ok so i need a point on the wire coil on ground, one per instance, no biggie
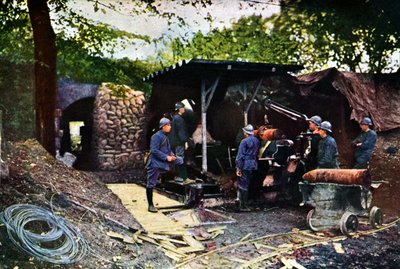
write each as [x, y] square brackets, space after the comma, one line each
[41, 234]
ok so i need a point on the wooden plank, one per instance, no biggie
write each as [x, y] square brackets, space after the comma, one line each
[133, 197]
[245, 237]
[124, 238]
[193, 242]
[173, 255]
[217, 228]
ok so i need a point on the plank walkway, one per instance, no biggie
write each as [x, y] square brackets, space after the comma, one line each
[134, 199]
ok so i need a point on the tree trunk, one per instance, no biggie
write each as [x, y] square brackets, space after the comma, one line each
[45, 73]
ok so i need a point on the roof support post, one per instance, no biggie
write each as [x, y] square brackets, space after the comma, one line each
[206, 96]
[246, 111]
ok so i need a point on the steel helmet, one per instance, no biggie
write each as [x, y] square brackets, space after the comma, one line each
[366, 121]
[248, 129]
[316, 120]
[179, 105]
[326, 125]
[164, 121]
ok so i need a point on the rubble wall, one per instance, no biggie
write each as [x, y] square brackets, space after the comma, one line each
[118, 132]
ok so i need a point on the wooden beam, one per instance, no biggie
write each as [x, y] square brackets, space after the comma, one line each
[246, 111]
[206, 97]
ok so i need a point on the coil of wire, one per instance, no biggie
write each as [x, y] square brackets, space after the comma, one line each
[41, 234]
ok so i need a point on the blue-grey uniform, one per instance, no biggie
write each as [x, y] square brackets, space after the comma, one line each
[364, 152]
[159, 150]
[178, 137]
[246, 160]
[328, 153]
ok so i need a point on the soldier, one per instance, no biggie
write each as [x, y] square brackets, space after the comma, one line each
[246, 164]
[364, 144]
[179, 138]
[327, 149]
[161, 156]
[312, 157]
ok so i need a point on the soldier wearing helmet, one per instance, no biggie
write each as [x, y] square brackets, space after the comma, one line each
[246, 164]
[179, 138]
[161, 156]
[311, 159]
[364, 144]
[327, 148]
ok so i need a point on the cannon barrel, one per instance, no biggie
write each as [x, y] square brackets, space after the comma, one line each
[340, 176]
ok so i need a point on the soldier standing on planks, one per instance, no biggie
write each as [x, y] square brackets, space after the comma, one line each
[246, 164]
[327, 148]
[161, 156]
[364, 144]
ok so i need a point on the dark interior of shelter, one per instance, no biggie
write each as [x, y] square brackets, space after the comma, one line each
[79, 111]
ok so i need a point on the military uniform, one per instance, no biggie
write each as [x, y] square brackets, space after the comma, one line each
[364, 152]
[178, 137]
[246, 160]
[327, 153]
[312, 158]
[159, 150]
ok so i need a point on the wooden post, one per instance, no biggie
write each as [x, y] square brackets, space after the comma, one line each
[203, 127]
[206, 96]
[244, 85]
[246, 112]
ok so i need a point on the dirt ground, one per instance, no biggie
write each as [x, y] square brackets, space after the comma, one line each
[83, 199]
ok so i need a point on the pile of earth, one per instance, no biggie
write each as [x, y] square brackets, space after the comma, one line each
[82, 199]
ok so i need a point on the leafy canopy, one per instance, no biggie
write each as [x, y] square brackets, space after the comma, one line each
[360, 35]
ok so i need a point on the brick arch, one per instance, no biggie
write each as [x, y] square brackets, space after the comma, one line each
[69, 91]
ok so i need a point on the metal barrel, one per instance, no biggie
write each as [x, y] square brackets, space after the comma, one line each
[340, 176]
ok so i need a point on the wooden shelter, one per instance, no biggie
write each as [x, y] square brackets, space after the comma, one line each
[206, 82]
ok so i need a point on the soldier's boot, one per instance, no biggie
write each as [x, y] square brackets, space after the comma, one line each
[149, 194]
[237, 200]
[244, 196]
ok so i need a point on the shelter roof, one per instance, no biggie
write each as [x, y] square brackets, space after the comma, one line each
[374, 95]
[188, 71]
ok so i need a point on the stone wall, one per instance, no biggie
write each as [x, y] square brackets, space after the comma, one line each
[118, 132]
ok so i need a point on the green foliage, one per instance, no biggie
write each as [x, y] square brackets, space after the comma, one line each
[16, 100]
[80, 54]
[356, 35]
[249, 39]
[75, 62]
[118, 90]
[16, 42]
[16, 71]
[360, 35]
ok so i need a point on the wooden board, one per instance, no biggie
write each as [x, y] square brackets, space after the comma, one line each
[133, 197]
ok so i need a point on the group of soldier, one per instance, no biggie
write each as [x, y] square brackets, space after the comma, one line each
[323, 153]
[167, 147]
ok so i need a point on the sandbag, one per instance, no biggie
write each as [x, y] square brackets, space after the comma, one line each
[339, 176]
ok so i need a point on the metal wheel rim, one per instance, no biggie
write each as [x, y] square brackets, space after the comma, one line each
[348, 223]
[376, 217]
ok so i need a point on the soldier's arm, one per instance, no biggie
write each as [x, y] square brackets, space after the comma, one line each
[155, 145]
[369, 141]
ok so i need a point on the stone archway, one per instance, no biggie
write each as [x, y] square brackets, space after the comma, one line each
[79, 111]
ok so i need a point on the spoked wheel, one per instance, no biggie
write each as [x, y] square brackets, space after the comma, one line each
[348, 223]
[375, 217]
[309, 221]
